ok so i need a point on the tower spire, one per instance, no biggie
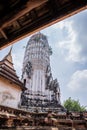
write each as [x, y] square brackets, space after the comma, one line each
[9, 53]
[8, 57]
[10, 50]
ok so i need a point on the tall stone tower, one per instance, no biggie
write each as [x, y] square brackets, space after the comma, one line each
[42, 90]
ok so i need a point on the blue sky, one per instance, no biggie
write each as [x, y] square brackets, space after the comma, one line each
[68, 40]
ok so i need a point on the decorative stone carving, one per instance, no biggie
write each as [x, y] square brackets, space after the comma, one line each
[28, 69]
[24, 99]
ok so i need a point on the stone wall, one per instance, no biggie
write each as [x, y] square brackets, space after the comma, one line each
[9, 93]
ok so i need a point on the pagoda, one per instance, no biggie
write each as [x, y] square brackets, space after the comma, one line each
[10, 85]
[43, 92]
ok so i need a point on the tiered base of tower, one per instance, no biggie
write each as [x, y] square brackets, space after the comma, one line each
[39, 105]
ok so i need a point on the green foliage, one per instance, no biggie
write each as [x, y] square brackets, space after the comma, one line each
[73, 105]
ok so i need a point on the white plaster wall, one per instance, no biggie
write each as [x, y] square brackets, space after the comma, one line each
[38, 80]
[9, 93]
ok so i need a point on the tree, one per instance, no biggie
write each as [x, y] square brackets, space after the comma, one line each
[73, 105]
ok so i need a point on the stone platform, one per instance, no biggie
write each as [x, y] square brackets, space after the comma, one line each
[16, 119]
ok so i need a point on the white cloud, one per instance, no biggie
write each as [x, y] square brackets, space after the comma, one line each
[70, 46]
[58, 25]
[78, 81]
[69, 36]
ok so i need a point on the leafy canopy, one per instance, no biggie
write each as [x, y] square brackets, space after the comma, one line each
[73, 105]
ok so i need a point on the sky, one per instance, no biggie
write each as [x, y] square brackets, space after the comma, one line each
[68, 40]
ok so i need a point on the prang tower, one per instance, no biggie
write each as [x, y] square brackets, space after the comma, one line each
[42, 90]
